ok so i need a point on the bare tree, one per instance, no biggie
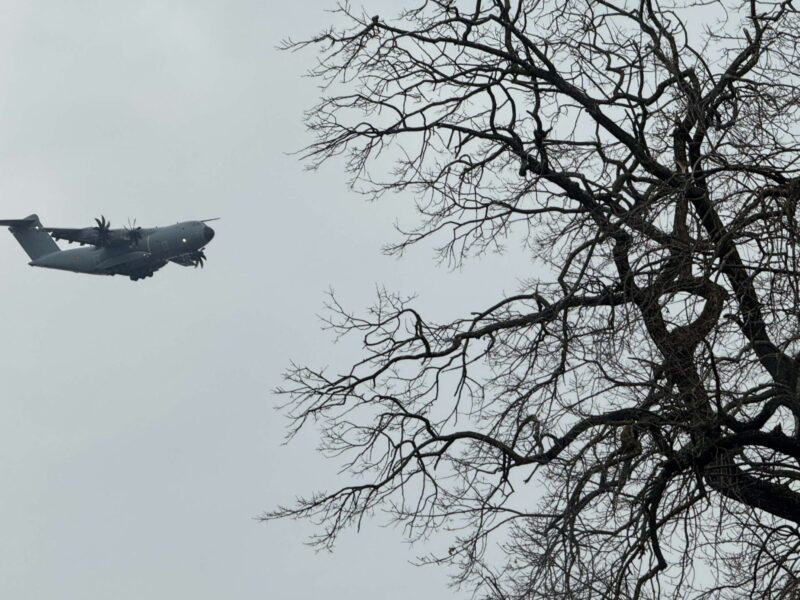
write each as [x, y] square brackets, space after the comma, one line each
[626, 426]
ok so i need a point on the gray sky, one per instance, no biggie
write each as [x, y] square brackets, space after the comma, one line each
[137, 429]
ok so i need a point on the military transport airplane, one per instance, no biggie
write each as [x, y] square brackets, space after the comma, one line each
[131, 251]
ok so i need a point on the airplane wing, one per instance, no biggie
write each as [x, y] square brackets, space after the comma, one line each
[182, 260]
[190, 259]
[122, 260]
[101, 235]
[85, 235]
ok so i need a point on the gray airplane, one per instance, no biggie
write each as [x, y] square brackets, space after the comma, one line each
[131, 251]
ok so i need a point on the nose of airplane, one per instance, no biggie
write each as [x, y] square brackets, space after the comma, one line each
[208, 233]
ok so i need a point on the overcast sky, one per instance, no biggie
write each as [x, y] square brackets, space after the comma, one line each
[138, 436]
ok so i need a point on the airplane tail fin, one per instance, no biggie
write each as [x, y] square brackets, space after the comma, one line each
[30, 235]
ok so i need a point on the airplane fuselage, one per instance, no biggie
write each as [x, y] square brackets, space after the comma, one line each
[138, 259]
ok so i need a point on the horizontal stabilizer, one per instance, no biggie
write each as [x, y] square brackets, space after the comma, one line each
[32, 220]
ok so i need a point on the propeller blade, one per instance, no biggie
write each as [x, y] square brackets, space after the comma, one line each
[133, 233]
[103, 230]
[198, 257]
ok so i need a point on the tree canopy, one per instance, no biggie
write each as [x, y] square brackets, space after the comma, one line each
[626, 425]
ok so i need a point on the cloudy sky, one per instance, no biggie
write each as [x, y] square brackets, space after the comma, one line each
[138, 433]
